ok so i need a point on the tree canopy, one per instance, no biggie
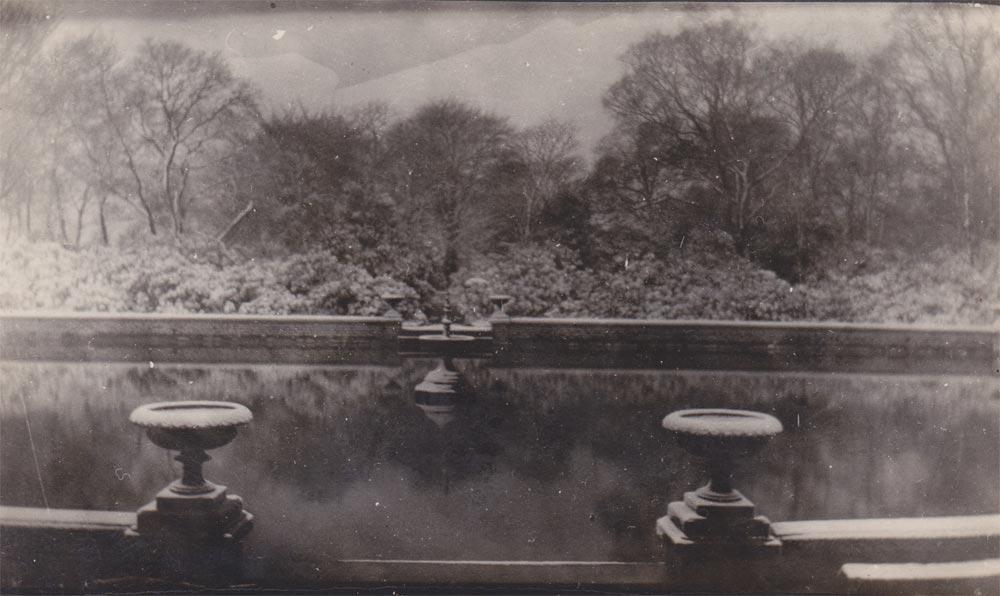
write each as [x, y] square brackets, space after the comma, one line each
[790, 154]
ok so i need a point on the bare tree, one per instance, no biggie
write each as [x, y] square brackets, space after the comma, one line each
[185, 111]
[812, 102]
[23, 30]
[948, 71]
[869, 160]
[549, 155]
[371, 123]
[638, 185]
[708, 87]
[85, 165]
[449, 159]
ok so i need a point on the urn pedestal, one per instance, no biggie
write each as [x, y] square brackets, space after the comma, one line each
[717, 512]
[193, 529]
[715, 525]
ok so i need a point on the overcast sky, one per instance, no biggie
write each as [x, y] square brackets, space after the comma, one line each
[527, 61]
[363, 40]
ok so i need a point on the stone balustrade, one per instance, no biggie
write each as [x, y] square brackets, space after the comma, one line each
[190, 536]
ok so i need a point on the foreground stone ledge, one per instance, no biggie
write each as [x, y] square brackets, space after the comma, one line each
[966, 577]
[66, 519]
[552, 575]
[813, 552]
[888, 529]
[70, 549]
[49, 550]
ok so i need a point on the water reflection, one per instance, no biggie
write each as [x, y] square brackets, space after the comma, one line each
[440, 392]
[439, 409]
[526, 464]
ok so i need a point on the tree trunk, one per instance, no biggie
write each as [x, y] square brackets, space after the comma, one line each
[104, 225]
[84, 200]
[56, 190]
[742, 206]
[451, 239]
[151, 220]
[63, 236]
[528, 208]
[967, 214]
[800, 241]
[170, 201]
[236, 221]
[869, 224]
[851, 217]
[450, 264]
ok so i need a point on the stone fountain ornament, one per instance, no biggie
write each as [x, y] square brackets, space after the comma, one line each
[499, 302]
[191, 507]
[717, 512]
[393, 300]
[442, 387]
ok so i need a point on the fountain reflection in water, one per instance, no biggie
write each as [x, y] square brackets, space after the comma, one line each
[442, 390]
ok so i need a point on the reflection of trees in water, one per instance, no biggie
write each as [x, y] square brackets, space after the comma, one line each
[529, 456]
[87, 455]
[853, 446]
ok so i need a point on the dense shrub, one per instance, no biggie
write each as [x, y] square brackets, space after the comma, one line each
[695, 288]
[942, 288]
[543, 281]
[172, 278]
[550, 282]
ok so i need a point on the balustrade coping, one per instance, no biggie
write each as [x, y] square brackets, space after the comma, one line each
[560, 343]
[892, 530]
[488, 323]
[912, 572]
[900, 528]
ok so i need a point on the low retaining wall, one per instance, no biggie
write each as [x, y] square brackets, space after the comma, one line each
[199, 338]
[569, 343]
[710, 345]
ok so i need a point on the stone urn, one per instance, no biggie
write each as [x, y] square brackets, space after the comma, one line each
[192, 507]
[717, 511]
[393, 300]
[191, 427]
[499, 302]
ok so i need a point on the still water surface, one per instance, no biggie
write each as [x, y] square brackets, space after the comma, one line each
[535, 464]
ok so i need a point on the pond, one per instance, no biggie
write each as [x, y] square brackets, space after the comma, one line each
[535, 464]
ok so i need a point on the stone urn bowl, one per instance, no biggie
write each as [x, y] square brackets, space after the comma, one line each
[721, 437]
[393, 300]
[499, 302]
[191, 427]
